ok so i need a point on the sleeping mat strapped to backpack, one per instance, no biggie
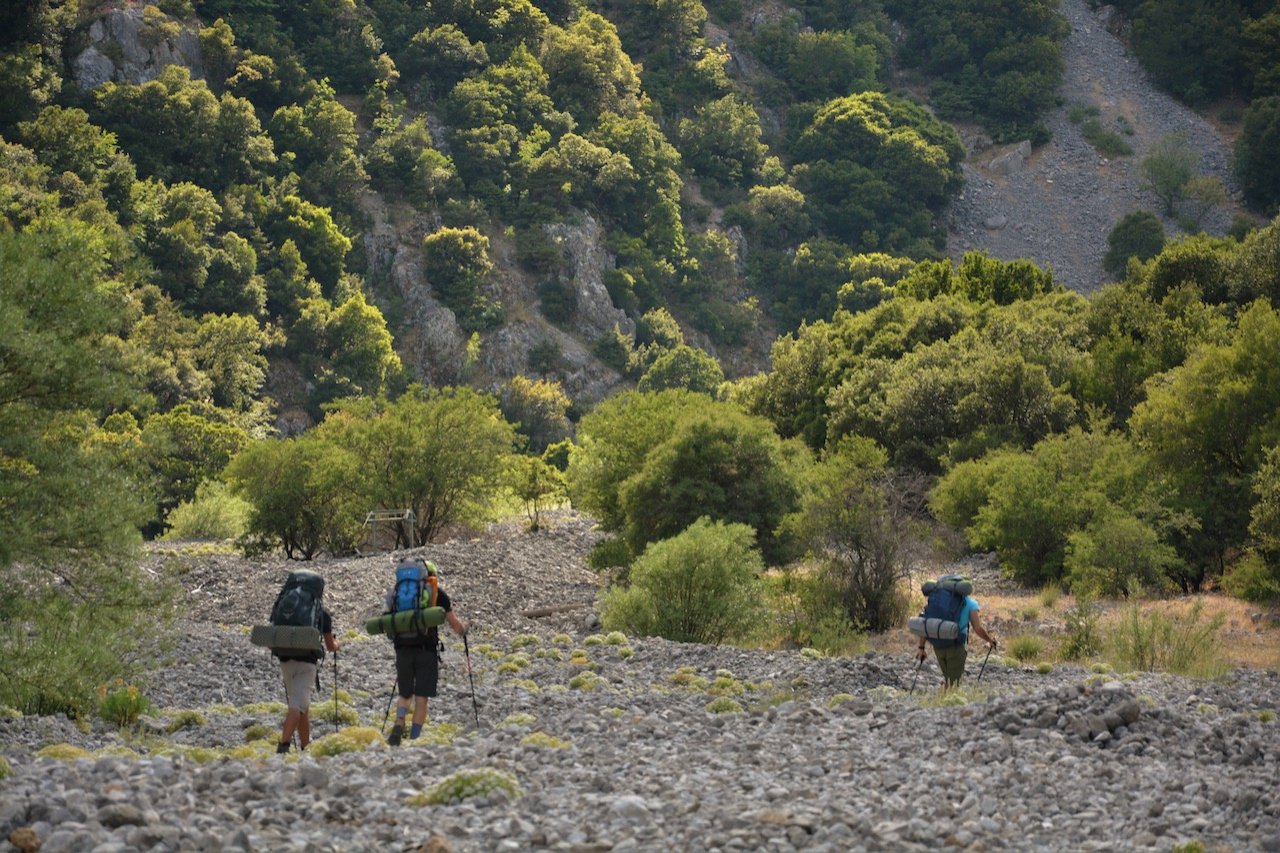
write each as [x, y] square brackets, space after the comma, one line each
[413, 602]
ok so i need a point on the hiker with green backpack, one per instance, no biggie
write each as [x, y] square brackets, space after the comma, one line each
[950, 611]
[417, 643]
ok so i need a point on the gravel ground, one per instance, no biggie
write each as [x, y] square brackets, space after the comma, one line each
[619, 744]
[1059, 207]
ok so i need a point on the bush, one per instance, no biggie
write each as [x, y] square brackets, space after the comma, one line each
[706, 580]
[185, 720]
[1108, 142]
[353, 739]
[215, 514]
[812, 614]
[724, 705]
[1252, 579]
[5, 769]
[1025, 648]
[1138, 235]
[466, 784]
[259, 731]
[62, 752]
[1049, 595]
[122, 705]
[542, 740]
[1083, 639]
[1164, 642]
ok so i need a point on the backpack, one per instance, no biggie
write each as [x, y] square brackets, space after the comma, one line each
[939, 622]
[415, 590]
[298, 604]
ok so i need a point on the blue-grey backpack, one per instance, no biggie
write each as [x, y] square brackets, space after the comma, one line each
[939, 623]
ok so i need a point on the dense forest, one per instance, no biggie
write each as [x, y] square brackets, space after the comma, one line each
[270, 264]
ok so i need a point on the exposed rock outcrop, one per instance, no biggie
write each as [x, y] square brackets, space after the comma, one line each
[128, 45]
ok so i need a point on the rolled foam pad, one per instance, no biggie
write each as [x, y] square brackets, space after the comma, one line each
[405, 621]
[301, 638]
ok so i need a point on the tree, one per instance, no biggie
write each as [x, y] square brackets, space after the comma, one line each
[538, 485]
[302, 496]
[1138, 235]
[683, 367]
[699, 586]
[538, 409]
[73, 606]
[184, 449]
[1255, 166]
[588, 72]
[857, 521]
[456, 263]
[441, 453]
[722, 140]
[1207, 424]
[720, 463]
[1168, 168]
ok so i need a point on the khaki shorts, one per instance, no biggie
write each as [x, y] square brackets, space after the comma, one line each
[299, 678]
[951, 661]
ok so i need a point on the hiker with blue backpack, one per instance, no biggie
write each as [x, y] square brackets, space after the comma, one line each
[950, 611]
[417, 593]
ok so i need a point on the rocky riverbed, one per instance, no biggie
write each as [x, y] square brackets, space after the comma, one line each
[605, 742]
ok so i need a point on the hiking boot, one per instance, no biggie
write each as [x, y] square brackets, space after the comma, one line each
[282, 748]
[397, 732]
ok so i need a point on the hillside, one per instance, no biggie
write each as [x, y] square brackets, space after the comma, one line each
[639, 743]
[1055, 205]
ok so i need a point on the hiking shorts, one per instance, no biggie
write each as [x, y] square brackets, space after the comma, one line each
[417, 670]
[951, 661]
[299, 677]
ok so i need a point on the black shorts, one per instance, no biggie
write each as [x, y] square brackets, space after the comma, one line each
[417, 670]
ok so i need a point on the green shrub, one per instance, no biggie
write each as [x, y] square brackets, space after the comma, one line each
[1083, 638]
[686, 676]
[1267, 715]
[1139, 234]
[1029, 613]
[185, 720]
[1049, 595]
[593, 640]
[62, 752]
[214, 513]
[521, 640]
[706, 579]
[518, 719]
[542, 740]
[1108, 142]
[1161, 642]
[724, 705]
[1251, 579]
[1025, 647]
[5, 769]
[1044, 668]
[325, 712]
[562, 639]
[615, 638]
[466, 784]
[258, 731]
[123, 705]
[353, 739]
[812, 614]
[586, 680]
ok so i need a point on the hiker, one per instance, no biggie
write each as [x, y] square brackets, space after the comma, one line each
[300, 669]
[949, 600]
[418, 652]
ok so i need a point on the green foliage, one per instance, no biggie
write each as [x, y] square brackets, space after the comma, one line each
[1257, 170]
[1049, 595]
[122, 704]
[1161, 641]
[723, 705]
[857, 521]
[350, 739]
[185, 720]
[456, 264]
[1117, 554]
[1025, 647]
[1001, 64]
[538, 409]
[705, 579]
[1084, 637]
[1107, 142]
[542, 740]
[812, 613]
[1168, 168]
[715, 462]
[1208, 425]
[466, 784]
[1138, 235]
[682, 367]
[1190, 47]
[1253, 579]
[6, 769]
[215, 513]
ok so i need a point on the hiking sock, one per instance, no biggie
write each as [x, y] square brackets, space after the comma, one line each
[282, 747]
[415, 730]
[397, 732]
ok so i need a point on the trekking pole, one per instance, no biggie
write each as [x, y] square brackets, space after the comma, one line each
[990, 646]
[466, 647]
[390, 698]
[335, 691]
[916, 676]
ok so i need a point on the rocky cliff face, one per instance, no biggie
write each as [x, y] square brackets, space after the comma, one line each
[133, 44]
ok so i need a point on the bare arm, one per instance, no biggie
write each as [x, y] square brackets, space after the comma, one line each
[975, 622]
[459, 627]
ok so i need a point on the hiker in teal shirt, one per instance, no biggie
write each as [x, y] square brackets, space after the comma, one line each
[951, 659]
